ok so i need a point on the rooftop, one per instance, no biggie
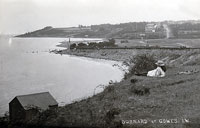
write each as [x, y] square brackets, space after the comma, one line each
[42, 100]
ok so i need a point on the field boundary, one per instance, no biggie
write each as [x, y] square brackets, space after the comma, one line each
[169, 48]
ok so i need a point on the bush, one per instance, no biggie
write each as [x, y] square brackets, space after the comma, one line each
[112, 41]
[142, 64]
[140, 90]
[72, 46]
[110, 120]
[110, 88]
[42, 117]
[82, 45]
[133, 81]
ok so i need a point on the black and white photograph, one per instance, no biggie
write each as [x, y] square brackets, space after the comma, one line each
[99, 64]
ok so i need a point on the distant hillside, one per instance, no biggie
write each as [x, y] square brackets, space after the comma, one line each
[132, 30]
[185, 30]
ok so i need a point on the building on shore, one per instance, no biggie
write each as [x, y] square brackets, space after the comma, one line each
[26, 107]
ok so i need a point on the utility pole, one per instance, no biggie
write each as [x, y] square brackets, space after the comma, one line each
[69, 43]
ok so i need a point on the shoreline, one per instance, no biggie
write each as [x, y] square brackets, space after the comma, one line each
[116, 93]
[167, 98]
[85, 53]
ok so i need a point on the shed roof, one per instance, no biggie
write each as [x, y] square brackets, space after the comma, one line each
[41, 100]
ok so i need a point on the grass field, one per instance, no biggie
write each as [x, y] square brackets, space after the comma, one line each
[172, 101]
[191, 43]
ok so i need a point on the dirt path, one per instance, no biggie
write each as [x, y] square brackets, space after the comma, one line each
[168, 31]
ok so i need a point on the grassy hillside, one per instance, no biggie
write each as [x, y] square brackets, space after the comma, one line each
[139, 98]
[130, 30]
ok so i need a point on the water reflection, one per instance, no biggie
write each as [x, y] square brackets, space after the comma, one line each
[10, 41]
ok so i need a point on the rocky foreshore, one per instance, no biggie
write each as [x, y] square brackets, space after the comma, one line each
[108, 54]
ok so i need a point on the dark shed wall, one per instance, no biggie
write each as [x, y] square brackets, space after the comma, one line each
[17, 113]
[31, 113]
[53, 106]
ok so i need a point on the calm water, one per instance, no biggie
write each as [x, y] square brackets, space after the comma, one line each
[26, 66]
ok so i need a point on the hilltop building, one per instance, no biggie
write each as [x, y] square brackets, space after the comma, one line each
[150, 27]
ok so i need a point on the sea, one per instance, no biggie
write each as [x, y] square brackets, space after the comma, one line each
[27, 66]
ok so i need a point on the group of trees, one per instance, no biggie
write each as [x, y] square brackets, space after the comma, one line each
[104, 44]
[185, 30]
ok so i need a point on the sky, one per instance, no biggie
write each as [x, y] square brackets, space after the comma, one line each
[20, 16]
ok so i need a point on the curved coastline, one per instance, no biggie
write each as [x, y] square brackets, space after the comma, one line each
[119, 98]
[119, 105]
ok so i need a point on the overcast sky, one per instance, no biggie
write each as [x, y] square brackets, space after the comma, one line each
[19, 16]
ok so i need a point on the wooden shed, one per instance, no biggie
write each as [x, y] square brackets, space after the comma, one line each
[25, 107]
